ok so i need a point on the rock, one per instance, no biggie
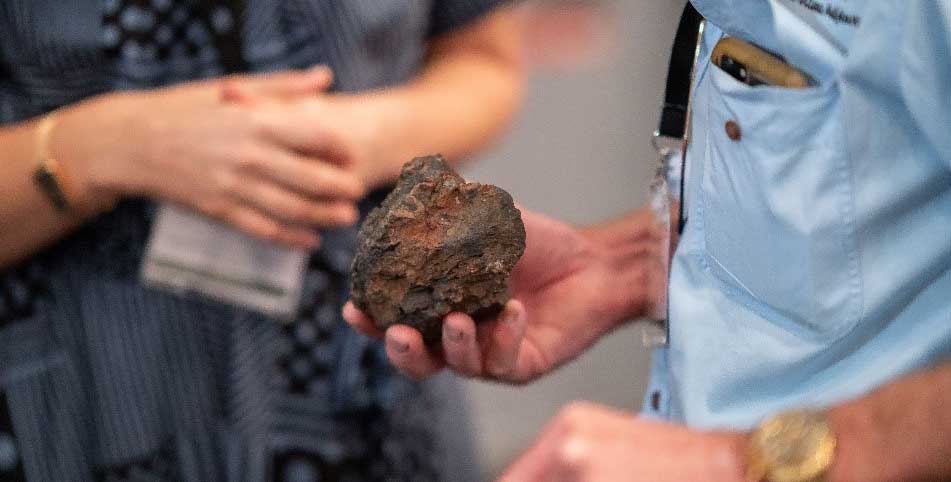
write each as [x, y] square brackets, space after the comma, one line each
[437, 244]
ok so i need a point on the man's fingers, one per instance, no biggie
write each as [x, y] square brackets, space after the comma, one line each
[408, 353]
[540, 462]
[358, 320]
[501, 340]
[460, 345]
[277, 86]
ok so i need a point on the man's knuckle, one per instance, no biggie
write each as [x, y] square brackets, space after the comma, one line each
[574, 452]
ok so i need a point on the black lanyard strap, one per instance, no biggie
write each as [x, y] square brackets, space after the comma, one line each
[673, 117]
[670, 142]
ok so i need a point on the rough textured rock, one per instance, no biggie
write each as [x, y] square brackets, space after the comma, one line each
[436, 245]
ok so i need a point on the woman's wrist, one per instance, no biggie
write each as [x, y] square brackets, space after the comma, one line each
[379, 140]
[92, 142]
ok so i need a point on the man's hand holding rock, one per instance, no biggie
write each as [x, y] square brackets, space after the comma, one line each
[569, 288]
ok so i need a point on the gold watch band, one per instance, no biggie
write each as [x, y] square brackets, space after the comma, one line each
[797, 446]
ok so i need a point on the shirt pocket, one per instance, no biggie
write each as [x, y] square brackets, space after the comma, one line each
[777, 201]
[40, 388]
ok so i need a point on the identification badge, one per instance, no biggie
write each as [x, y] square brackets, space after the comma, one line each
[190, 253]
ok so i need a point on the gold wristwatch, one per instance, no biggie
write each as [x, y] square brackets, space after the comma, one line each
[795, 446]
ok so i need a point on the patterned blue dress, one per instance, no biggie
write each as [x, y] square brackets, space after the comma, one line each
[102, 379]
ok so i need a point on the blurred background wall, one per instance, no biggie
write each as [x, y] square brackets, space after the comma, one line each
[580, 150]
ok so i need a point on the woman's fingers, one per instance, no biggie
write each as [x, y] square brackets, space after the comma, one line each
[309, 176]
[303, 127]
[261, 226]
[272, 194]
[409, 354]
[289, 207]
[286, 85]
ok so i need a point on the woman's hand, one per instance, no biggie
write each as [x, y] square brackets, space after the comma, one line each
[356, 121]
[571, 287]
[250, 166]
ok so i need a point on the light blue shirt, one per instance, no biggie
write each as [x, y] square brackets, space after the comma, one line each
[816, 261]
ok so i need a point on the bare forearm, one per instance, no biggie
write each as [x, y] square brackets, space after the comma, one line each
[901, 432]
[469, 89]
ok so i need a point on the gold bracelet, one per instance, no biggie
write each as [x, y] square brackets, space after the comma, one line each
[50, 176]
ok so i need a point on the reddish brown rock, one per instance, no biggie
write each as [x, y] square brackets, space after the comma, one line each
[436, 245]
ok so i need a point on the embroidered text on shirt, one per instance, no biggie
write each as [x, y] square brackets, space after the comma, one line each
[835, 13]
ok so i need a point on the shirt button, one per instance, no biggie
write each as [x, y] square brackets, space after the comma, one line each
[733, 130]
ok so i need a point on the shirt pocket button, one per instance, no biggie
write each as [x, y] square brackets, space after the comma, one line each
[733, 130]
